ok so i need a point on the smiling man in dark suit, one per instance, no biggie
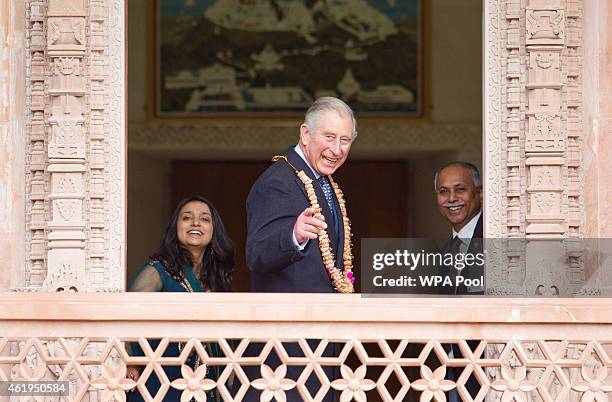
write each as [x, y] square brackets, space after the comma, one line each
[283, 247]
[459, 198]
[298, 236]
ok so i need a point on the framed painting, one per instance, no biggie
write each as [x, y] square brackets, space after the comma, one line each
[269, 57]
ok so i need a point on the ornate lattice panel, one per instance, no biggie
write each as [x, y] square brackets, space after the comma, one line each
[295, 348]
[359, 369]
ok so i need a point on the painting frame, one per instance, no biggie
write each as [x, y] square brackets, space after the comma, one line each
[160, 113]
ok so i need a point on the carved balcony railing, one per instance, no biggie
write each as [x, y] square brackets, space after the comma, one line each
[389, 349]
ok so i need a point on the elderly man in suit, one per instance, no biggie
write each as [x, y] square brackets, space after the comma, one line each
[287, 211]
[459, 197]
[298, 236]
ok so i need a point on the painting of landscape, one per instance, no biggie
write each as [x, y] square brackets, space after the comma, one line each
[254, 57]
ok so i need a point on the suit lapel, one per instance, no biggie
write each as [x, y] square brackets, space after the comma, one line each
[476, 242]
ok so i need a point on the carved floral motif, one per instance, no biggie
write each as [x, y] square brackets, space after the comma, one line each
[113, 382]
[433, 384]
[595, 385]
[273, 383]
[543, 202]
[514, 384]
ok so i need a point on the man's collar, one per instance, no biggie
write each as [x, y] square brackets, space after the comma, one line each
[467, 232]
[300, 152]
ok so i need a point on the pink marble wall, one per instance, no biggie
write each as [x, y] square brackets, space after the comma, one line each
[12, 143]
[598, 118]
[605, 129]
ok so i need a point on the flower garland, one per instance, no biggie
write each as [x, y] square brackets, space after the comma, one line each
[342, 280]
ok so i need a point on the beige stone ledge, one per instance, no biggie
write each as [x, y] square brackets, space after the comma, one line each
[295, 308]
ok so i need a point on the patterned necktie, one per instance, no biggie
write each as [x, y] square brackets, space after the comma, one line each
[455, 245]
[329, 196]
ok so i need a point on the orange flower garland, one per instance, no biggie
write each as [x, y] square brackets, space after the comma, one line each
[341, 280]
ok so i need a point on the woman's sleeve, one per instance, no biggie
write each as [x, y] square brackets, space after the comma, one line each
[147, 280]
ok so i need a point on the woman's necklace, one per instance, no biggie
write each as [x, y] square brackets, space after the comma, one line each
[341, 280]
[185, 282]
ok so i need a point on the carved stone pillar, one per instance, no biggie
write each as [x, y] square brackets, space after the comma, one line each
[68, 110]
[553, 193]
[77, 130]
[38, 179]
[533, 143]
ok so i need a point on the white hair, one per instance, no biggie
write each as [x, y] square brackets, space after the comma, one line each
[327, 103]
[466, 165]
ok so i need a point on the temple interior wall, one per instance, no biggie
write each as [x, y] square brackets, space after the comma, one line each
[453, 77]
[598, 118]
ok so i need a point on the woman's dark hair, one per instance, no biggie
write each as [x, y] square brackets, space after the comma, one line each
[218, 259]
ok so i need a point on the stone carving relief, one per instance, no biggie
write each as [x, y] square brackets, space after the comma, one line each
[545, 177]
[36, 177]
[67, 74]
[67, 183]
[66, 47]
[66, 66]
[67, 140]
[66, 108]
[545, 26]
[67, 7]
[534, 126]
[544, 98]
[545, 203]
[544, 133]
[545, 66]
[544, 60]
[57, 144]
[67, 210]
[77, 163]
[64, 32]
[64, 278]
[545, 144]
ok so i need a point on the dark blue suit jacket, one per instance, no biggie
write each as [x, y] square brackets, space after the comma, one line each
[477, 270]
[275, 201]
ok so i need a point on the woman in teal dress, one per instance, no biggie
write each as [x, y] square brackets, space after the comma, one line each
[195, 255]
